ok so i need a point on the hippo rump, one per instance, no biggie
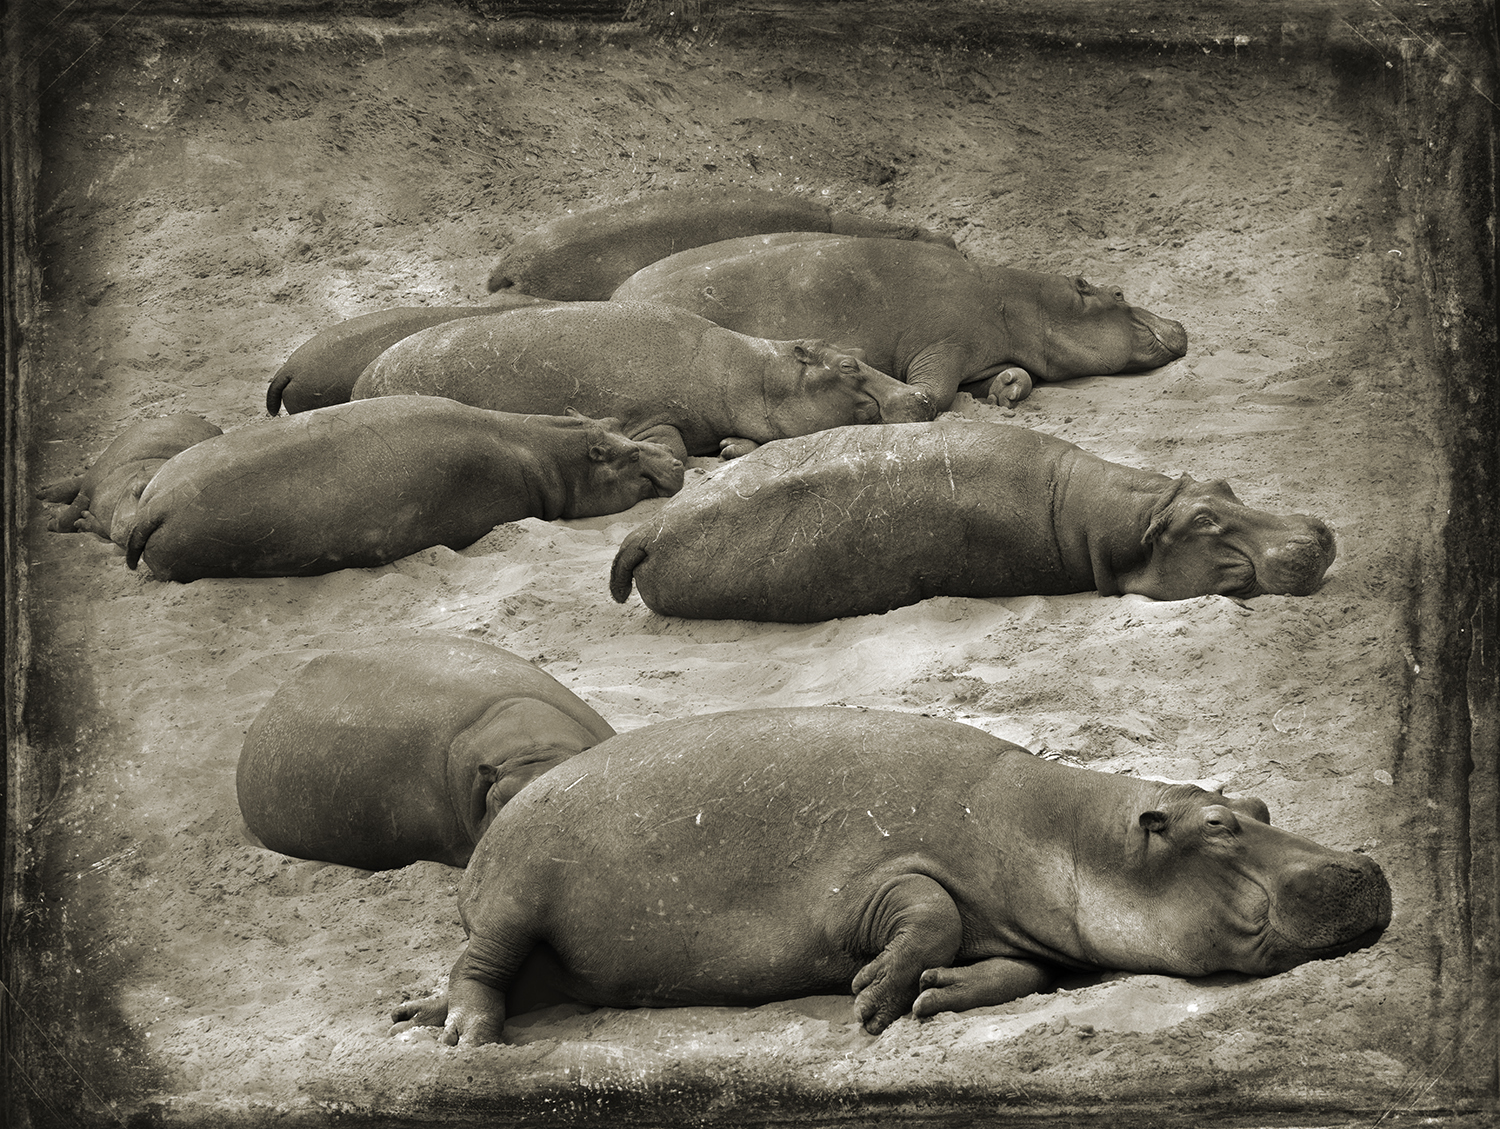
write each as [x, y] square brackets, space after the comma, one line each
[323, 370]
[921, 865]
[103, 499]
[383, 756]
[669, 376]
[924, 314]
[863, 520]
[583, 256]
[359, 485]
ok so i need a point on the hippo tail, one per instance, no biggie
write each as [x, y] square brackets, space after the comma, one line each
[139, 535]
[627, 560]
[278, 385]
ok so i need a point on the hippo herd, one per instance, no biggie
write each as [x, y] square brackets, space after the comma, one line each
[920, 865]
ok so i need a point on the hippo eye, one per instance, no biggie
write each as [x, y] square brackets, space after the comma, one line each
[1220, 821]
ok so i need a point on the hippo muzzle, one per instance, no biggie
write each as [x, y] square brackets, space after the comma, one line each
[1157, 340]
[1326, 907]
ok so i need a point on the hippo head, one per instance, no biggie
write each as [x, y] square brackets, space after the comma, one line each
[622, 472]
[1088, 330]
[832, 386]
[1208, 885]
[1203, 541]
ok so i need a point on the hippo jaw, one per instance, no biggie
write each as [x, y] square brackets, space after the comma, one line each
[1204, 541]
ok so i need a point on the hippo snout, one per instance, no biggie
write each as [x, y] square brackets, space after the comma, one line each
[1163, 336]
[912, 406]
[1330, 906]
[1296, 567]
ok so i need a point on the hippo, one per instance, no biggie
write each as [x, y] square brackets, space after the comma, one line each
[362, 484]
[324, 368]
[671, 377]
[388, 755]
[103, 499]
[921, 865]
[924, 314]
[863, 520]
[583, 256]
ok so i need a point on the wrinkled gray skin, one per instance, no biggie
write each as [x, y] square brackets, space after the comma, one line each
[584, 256]
[323, 370]
[387, 755]
[924, 314]
[922, 865]
[362, 484]
[863, 520]
[669, 376]
[104, 498]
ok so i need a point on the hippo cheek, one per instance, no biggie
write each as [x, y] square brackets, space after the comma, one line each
[1326, 908]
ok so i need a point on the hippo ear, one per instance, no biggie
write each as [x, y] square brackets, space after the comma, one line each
[804, 352]
[1154, 821]
[485, 776]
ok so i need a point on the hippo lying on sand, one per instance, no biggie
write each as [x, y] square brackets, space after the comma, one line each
[867, 519]
[103, 499]
[363, 484]
[323, 370]
[584, 256]
[670, 377]
[923, 865]
[922, 313]
[379, 757]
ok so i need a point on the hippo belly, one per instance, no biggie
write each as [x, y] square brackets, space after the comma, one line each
[864, 520]
[383, 756]
[920, 864]
[362, 484]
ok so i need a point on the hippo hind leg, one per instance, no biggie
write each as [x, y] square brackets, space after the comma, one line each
[917, 926]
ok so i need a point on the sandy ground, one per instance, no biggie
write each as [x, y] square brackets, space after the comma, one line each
[213, 195]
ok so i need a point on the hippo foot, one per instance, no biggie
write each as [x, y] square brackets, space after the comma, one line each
[431, 1011]
[878, 997]
[736, 448]
[989, 982]
[1009, 387]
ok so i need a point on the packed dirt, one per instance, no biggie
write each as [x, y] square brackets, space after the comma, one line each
[213, 194]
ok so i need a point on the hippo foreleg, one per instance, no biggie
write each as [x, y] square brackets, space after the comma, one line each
[920, 927]
[989, 982]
